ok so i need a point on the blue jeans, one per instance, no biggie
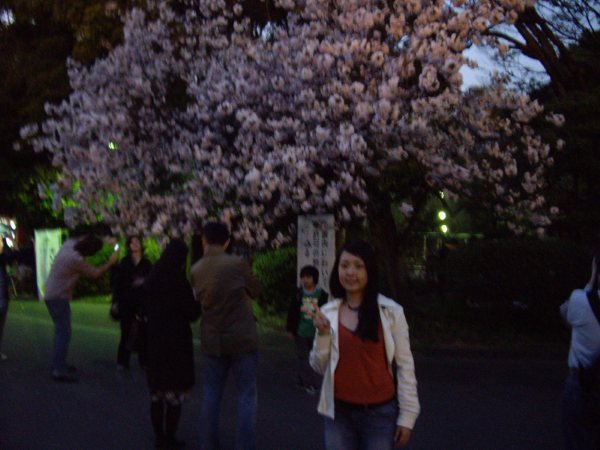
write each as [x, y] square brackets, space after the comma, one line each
[60, 311]
[362, 428]
[577, 434]
[215, 371]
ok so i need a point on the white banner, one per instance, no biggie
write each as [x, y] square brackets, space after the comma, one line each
[316, 245]
[47, 245]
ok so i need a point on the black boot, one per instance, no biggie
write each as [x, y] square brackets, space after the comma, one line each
[157, 414]
[172, 421]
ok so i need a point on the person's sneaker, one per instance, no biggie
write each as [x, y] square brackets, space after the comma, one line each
[312, 390]
[3, 357]
[65, 378]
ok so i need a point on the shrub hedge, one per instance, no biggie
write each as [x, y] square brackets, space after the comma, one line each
[530, 275]
[276, 271]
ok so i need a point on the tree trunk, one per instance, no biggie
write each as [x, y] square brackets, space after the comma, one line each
[390, 252]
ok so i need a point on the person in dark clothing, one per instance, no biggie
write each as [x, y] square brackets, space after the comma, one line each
[169, 306]
[300, 325]
[128, 278]
[6, 257]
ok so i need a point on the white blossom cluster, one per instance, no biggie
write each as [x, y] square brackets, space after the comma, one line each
[191, 118]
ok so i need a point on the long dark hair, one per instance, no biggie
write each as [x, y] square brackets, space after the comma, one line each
[169, 266]
[368, 314]
[128, 243]
[593, 292]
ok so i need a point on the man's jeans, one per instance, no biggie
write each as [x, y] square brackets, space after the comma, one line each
[60, 311]
[369, 428]
[215, 370]
[577, 435]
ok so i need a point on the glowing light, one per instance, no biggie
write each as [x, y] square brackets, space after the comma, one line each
[444, 229]
[112, 146]
[442, 194]
[9, 242]
[13, 225]
[442, 215]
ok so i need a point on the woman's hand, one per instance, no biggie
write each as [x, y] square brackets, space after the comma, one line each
[320, 322]
[402, 436]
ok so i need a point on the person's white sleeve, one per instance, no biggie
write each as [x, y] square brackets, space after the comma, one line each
[408, 400]
[320, 353]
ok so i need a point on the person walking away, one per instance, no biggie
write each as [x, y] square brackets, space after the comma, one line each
[68, 266]
[169, 306]
[128, 278]
[300, 324]
[581, 395]
[6, 257]
[224, 285]
[369, 390]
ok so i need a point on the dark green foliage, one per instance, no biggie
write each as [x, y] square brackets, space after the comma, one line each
[573, 181]
[522, 280]
[36, 38]
[276, 271]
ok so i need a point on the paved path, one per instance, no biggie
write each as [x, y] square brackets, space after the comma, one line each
[481, 403]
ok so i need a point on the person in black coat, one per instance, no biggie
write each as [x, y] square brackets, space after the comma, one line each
[169, 307]
[128, 279]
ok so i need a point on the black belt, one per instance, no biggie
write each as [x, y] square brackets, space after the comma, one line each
[360, 406]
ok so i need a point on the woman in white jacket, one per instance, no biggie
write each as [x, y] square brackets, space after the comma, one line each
[362, 349]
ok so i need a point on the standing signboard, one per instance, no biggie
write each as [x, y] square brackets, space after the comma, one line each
[316, 245]
[47, 245]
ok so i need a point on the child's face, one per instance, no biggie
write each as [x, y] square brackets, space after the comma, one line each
[307, 282]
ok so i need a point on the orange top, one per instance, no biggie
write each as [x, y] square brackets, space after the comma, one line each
[362, 374]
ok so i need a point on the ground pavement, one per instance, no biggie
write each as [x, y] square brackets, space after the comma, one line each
[477, 402]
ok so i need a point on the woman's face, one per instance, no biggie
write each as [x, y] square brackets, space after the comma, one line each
[135, 245]
[353, 273]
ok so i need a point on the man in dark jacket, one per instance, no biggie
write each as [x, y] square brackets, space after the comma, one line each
[300, 325]
[224, 285]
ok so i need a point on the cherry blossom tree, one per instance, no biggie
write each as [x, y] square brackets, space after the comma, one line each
[351, 107]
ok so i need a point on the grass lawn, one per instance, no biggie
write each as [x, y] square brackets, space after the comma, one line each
[94, 311]
[434, 325]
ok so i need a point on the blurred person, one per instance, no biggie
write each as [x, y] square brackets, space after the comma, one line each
[169, 306]
[224, 285]
[128, 277]
[300, 324]
[362, 349]
[6, 257]
[581, 395]
[68, 266]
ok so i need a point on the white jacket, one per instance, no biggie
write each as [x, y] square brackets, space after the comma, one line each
[325, 355]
